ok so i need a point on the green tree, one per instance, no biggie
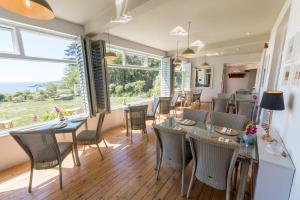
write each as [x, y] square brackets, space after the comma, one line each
[71, 77]
[119, 89]
[51, 89]
[2, 97]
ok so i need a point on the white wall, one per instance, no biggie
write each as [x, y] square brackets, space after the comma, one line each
[287, 122]
[217, 62]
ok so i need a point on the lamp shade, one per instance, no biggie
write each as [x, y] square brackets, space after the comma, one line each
[188, 53]
[272, 100]
[35, 9]
[109, 56]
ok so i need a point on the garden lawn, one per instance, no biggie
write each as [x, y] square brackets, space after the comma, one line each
[21, 113]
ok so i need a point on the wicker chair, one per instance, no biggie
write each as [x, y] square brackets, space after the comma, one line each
[137, 116]
[225, 95]
[43, 150]
[243, 91]
[197, 95]
[237, 122]
[188, 98]
[174, 102]
[213, 162]
[198, 116]
[164, 106]
[247, 97]
[245, 108]
[151, 115]
[89, 137]
[173, 150]
[219, 105]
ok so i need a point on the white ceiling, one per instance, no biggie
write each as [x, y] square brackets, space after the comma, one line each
[213, 21]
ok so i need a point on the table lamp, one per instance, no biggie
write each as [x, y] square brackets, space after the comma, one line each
[271, 100]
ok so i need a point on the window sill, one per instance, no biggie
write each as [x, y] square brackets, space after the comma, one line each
[132, 104]
[5, 132]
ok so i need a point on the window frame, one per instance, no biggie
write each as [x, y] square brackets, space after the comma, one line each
[19, 54]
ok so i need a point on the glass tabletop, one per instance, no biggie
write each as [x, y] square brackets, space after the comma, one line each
[246, 151]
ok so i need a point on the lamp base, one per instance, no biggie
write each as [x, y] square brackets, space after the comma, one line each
[266, 137]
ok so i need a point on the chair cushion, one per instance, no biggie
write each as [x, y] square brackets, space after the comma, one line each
[64, 147]
[86, 135]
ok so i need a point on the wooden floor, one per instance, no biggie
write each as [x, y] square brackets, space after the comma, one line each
[127, 172]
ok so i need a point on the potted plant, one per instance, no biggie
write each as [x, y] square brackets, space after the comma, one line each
[250, 133]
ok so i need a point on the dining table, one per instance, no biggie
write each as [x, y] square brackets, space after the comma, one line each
[247, 153]
[71, 126]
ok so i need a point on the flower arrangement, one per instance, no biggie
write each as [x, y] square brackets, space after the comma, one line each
[251, 129]
[60, 113]
[34, 118]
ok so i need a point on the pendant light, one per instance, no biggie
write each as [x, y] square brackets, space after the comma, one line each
[177, 62]
[205, 64]
[109, 55]
[188, 53]
[35, 9]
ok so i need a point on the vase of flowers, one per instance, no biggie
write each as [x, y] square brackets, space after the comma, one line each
[59, 112]
[250, 133]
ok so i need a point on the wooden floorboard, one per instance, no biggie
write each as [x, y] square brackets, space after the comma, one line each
[127, 172]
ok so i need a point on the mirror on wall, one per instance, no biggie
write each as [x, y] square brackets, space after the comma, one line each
[204, 76]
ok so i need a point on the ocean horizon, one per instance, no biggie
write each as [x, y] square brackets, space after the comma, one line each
[11, 88]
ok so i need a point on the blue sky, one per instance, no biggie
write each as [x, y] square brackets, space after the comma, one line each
[38, 45]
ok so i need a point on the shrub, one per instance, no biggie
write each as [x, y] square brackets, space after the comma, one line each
[2, 97]
[138, 86]
[119, 89]
[112, 88]
[128, 87]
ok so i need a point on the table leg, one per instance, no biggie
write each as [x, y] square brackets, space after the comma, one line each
[157, 155]
[75, 148]
[86, 125]
[243, 179]
[126, 123]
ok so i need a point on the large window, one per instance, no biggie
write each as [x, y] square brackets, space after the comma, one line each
[35, 80]
[178, 79]
[133, 77]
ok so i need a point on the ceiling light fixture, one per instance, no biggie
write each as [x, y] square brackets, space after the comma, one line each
[205, 64]
[198, 43]
[178, 31]
[212, 54]
[177, 62]
[35, 9]
[109, 55]
[188, 53]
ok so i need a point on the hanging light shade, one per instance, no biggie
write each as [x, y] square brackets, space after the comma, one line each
[109, 55]
[177, 62]
[205, 64]
[188, 53]
[35, 9]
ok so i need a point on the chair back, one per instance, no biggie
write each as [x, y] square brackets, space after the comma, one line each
[188, 96]
[154, 105]
[41, 147]
[225, 95]
[247, 97]
[164, 105]
[198, 116]
[243, 91]
[214, 161]
[100, 124]
[138, 117]
[172, 146]
[220, 105]
[245, 108]
[174, 99]
[233, 121]
[197, 95]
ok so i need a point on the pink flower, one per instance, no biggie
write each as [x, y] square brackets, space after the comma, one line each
[34, 118]
[254, 97]
[57, 109]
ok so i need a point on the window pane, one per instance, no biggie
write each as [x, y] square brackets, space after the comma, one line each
[29, 90]
[6, 42]
[47, 46]
[132, 85]
[135, 60]
[118, 60]
[178, 80]
[154, 63]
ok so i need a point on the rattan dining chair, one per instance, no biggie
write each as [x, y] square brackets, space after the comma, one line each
[151, 115]
[174, 102]
[246, 108]
[247, 97]
[233, 121]
[213, 162]
[90, 137]
[173, 150]
[43, 150]
[219, 105]
[137, 117]
[198, 116]
[164, 106]
[225, 95]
